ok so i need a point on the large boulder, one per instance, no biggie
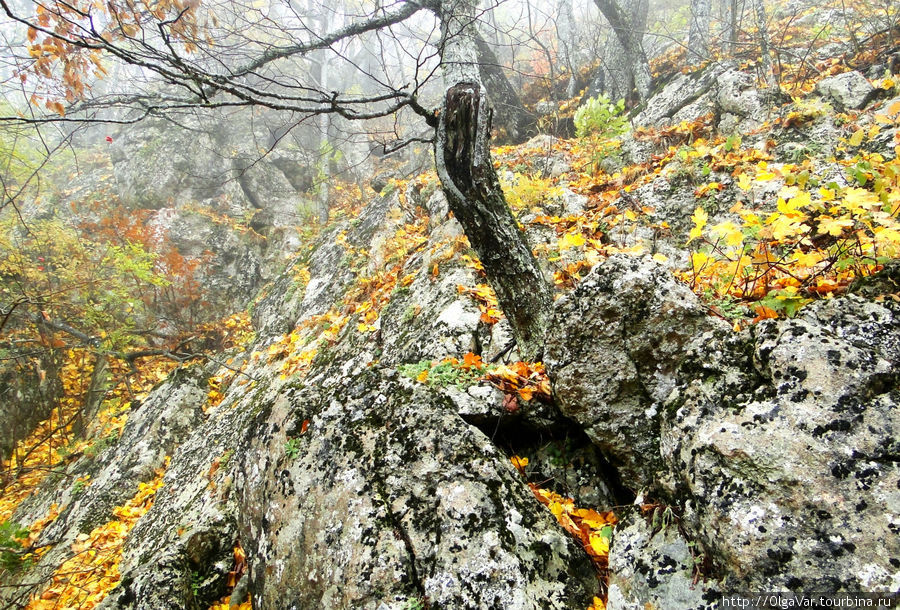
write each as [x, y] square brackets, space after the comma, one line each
[775, 448]
[374, 493]
[848, 91]
[685, 97]
[783, 443]
[613, 351]
[739, 103]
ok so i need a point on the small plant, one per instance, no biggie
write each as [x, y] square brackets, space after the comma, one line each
[598, 115]
[196, 583]
[226, 458]
[79, 486]
[292, 448]
[100, 445]
[444, 373]
[411, 312]
[526, 191]
[414, 604]
[12, 550]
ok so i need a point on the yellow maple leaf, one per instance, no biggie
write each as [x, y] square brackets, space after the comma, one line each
[730, 232]
[699, 217]
[570, 240]
[833, 226]
[599, 545]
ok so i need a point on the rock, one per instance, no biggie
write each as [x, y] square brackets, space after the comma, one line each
[116, 467]
[738, 102]
[573, 203]
[31, 387]
[775, 447]
[391, 498]
[613, 350]
[685, 97]
[777, 443]
[655, 567]
[848, 91]
[382, 179]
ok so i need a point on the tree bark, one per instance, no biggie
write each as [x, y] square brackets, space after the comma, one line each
[565, 28]
[473, 190]
[509, 112]
[629, 26]
[698, 34]
[732, 10]
[762, 34]
[463, 161]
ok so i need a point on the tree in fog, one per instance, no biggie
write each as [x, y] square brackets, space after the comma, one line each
[626, 63]
[226, 55]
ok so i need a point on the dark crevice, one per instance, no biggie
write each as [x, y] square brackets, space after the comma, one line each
[515, 435]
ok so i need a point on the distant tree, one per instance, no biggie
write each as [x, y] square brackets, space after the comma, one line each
[565, 29]
[698, 33]
[627, 65]
[208, 56]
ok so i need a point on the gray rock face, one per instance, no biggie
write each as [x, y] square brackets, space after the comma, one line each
[154, 429]
[738, 102]
[848, 91]
[779, 444]
[613, 352]
[685, 96]
[776, 447]
[389, 498]
[30, 388]
[656, 568]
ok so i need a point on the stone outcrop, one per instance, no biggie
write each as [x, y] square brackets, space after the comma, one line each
[775, 449]
[847, 91]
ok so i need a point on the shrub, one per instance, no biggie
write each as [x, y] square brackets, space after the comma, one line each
[598, 115]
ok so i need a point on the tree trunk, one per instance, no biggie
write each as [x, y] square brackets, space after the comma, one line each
[731, 14]
[97, 391]
[698, 36]
[565, 28]
[509, 112]
[463, 161]
[629, 24]
[762, 29]
[473, 190]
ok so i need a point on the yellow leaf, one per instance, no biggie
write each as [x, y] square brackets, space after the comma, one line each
[891, 235]
[660, 258]
[699, 260]
[857, 138]
[519, 462]
[600, 545]
[730, 232]
[744, 182]
[833, 226]
[699, 217]
[570, 240]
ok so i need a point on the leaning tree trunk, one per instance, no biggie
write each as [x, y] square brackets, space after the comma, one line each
[629, 26]
[510, 113]
[463, 160]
